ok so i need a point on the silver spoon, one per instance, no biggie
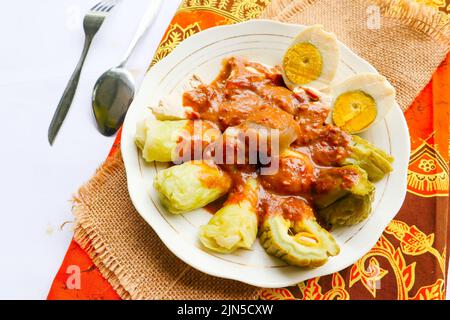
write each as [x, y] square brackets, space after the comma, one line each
[114, 90]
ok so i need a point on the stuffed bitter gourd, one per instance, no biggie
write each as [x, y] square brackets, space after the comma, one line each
[298, 240]
[343, 196]
[373, 160]
[349, 210]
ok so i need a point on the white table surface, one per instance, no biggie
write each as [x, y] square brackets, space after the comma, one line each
[41, 44]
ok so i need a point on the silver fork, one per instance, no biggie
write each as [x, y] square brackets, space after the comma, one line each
[92, 22]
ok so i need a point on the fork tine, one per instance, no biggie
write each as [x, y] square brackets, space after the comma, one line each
[104, 6]
[94, 8]
[110, 7]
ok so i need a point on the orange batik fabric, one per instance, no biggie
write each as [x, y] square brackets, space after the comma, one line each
[408, 262]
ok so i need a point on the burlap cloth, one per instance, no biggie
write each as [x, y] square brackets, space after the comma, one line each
[411, 43]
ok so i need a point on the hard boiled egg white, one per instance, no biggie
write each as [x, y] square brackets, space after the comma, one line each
[312, 59]
[361, 101]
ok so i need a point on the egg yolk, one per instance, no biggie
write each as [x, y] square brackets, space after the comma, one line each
[307, 239]
[353, 111]
[302, 63]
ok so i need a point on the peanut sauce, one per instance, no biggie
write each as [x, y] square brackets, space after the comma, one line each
[250, 93]
[209, 180]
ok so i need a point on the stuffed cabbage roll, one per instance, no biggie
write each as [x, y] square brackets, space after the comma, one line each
[373, 160]
[294, 235]
[178, 140]
[343, 195]
[191, 185]
[235, 225]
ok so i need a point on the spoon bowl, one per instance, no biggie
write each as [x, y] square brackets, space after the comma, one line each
[114, 90]
[112, 96]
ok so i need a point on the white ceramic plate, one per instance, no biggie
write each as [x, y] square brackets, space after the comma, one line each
[265, 42]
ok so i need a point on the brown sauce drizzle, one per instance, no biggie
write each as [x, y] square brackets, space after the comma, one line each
[249, 92]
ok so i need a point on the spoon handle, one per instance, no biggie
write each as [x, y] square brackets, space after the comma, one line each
[147, 20]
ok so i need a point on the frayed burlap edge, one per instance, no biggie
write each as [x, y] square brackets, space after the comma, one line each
[109, 260]
[419, 16]
[285, 9]
[86, 236]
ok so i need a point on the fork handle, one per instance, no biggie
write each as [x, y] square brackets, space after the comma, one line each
[67, 97]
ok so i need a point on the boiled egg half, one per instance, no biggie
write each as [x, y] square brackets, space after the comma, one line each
[312, 59]
[361, 101]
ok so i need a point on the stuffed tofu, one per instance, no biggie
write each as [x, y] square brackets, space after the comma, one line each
[295, 174]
